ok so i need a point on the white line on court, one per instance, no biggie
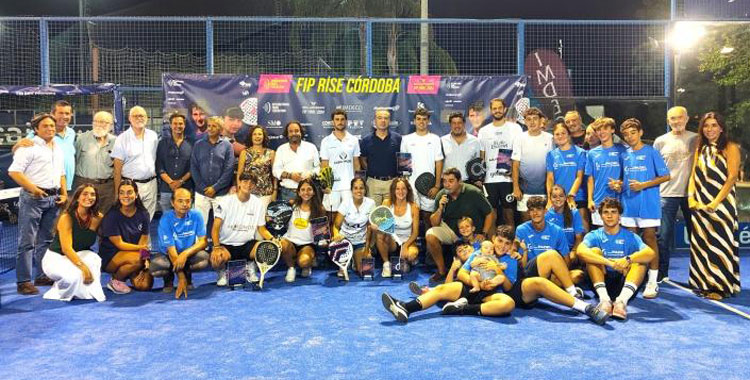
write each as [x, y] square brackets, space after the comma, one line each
[720, 304]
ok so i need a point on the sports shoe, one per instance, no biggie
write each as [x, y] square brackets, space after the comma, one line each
[651, 290]
[597, 315]
[605, 306]
[291, 275]
[395, 307]
[118, 287]
[418, 290]
[386, 269]
[43, 280]
[26, 288]
[251, 272]
[306, 272]
[620, 310]
[222, 279]
[578, 293]
[456, 306]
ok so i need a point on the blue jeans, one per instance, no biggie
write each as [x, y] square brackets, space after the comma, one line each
[669, 206]
[165, 201]
[36, 227]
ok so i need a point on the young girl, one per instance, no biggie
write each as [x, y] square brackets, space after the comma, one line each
[406, 214]
[351, 222]
[565, 166]
[124, 232]
[570, 220]
[69, 260]
[298, 242]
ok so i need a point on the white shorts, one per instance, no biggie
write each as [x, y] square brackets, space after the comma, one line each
[443, 233]
[631, 222]
[335, 198]
[521, 203]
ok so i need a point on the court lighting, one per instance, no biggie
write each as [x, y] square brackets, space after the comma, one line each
[686, 34]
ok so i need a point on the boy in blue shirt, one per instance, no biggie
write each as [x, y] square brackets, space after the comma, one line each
[545, 248]
[603, 167]
[615, 254]
[644, 170]
[517, 289]
[182, 243]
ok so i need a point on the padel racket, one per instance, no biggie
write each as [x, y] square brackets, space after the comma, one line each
[476, 170]
[341, 254]
[277, 217]
[326, 177]
[382, 217]
[424, 183]
[522, 105]
[266, 256]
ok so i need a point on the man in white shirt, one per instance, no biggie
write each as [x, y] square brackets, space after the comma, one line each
[426, 157]
[458, 146]
[295, 160]
[497, 148]
[237, 218]
[134, 156]
[677, 147]
[340, 151]
[530, 160]
[40, 171]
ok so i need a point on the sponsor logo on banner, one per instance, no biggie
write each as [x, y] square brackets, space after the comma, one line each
[175, 83]
[274, 84]
[249, 109]
[313, 109]
[423, 84]
[550, 81]
[351, 108]
[274, 124]
[270, 107]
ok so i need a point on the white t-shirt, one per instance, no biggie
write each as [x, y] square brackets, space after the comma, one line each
[456, 156]
[531, 152]
[497, 145]
[300, 228]
[425, 151]
[340, 156]
[305, 160]
[677, 152]
[239, 219]
[138, 156]
[356, 220]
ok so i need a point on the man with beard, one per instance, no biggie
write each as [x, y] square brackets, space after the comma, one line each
[497, 148]
[173, 162]
[458, 146]
[340, 151]
[198, 117]
[65, 137]
[575, 126]
[93, 163]
[134, 156]
[295, 160]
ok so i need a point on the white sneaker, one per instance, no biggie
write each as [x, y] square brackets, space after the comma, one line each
[291, 275]
[456, 306]
[386, 269]
[251, 272]
[306, 272]
[222, 279]
[651, 290]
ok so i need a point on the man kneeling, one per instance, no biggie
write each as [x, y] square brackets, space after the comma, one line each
[617, 255]
[182, 237]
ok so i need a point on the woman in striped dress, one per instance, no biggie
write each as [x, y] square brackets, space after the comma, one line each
[714, 252]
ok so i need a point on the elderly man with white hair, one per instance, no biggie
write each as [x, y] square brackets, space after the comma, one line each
[93, 163]
[134, 155]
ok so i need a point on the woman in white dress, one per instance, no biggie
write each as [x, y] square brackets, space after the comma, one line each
[69, 261]
[406, 215]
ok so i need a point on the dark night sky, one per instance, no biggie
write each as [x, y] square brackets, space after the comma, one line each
[487, 9]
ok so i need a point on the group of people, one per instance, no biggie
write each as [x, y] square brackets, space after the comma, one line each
[588, 206]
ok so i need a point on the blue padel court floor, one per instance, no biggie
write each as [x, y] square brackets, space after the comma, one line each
[324, 328]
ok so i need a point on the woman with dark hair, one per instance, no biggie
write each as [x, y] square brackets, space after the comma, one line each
[124, 233]
[406, 218]
[565, 166]
[69, 261]
[351, 222]
[569, 219]
[298, 242]
[714, 252]
[257, 159]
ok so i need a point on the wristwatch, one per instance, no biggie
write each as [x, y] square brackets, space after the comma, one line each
[628, 259]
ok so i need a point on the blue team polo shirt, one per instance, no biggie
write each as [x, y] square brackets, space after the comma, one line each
[642, 165]
[551, 237]
[180, 233]
[616, 246]
[558, 219]
[564, 165]
[603, 164]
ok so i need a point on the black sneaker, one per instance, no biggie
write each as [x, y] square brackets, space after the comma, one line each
[455, 307]
[395, 307]
[597, 315]
[415, 288]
